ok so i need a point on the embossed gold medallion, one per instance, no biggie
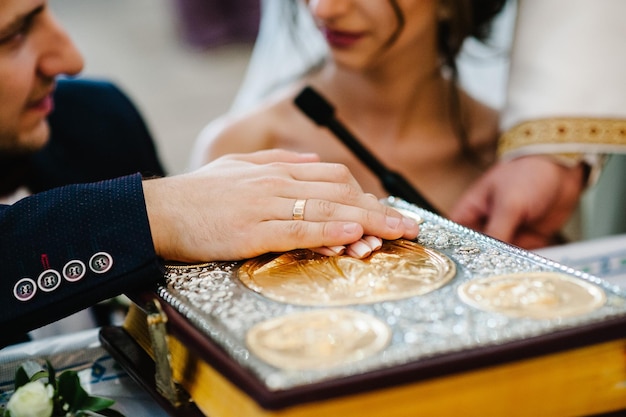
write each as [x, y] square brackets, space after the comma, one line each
[539, 295]
[317, 339]
[400, 269]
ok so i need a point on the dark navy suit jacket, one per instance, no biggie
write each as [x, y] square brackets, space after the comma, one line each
[70, 246]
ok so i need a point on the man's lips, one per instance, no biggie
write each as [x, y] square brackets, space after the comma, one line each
[44, 104]
[341, 39]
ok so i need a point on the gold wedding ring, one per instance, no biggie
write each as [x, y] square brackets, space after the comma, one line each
[298, 210]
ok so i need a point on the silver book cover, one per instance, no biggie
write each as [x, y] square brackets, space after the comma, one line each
[298, 318]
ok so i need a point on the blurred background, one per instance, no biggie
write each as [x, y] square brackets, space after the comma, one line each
[180, 61]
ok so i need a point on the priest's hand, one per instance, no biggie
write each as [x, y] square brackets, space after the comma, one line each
[525, 201]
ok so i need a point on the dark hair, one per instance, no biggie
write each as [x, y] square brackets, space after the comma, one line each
[458, 20]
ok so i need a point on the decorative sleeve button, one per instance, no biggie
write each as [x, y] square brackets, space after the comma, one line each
[74, 270]
[49, 280]
[25, 289]
[101, 262]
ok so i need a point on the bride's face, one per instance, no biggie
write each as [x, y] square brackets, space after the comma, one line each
[366, 33]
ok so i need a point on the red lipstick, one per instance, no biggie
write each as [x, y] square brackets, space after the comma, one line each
[340, 39]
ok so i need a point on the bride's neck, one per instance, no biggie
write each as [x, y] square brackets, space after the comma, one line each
[422, 94]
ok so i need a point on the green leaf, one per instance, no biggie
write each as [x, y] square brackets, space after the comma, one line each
[52, 380]
[39, 375]
[110, 413]
[21, 377]
[29, 371]
[103, 413]
[97, 403]
[71, 391]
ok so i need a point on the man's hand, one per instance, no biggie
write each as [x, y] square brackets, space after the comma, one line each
[240, 206]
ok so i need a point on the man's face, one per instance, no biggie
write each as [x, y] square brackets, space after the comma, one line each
[34, 49]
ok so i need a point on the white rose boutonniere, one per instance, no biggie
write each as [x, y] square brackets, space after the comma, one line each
[39, 393]
[31, 400]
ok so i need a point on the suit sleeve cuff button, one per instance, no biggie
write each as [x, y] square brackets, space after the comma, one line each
[101, 262]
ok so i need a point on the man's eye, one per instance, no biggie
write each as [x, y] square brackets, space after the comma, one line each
[17, 35]
[12, 38]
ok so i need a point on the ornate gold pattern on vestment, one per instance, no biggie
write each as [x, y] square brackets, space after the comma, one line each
[564, 131]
